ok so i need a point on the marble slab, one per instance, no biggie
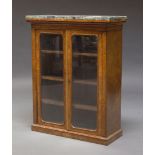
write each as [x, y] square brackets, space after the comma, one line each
[76, 17]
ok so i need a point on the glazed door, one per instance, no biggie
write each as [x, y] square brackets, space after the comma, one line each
[50, 69]
[69, 69]
[84, 81]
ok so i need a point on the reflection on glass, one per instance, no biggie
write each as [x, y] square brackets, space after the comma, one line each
[84, 87]
[50, 41]
[51, 64]
[52, 101]
[85, 43]
[84, 68]
[84, 94]
[51, 52]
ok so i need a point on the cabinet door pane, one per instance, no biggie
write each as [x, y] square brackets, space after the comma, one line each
[52, 91]
[84, 81]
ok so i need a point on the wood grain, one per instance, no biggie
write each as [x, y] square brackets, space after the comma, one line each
[77, 135]
[34, 77]
[102, 85]
[114, 71]
[109, 70]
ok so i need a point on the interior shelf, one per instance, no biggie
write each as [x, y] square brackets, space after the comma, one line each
[56, 78]
[76, 106]
[51, 52]
[77, 53]
[88, 82]
[85, 54]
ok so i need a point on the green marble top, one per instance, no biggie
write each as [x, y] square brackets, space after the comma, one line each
[76, 17]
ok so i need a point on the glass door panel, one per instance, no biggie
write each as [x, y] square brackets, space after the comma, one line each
[84, 81]
[52, 91]
[52, 101]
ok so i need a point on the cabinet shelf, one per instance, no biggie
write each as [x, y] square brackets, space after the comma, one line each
[51, 51]
[77, 53]
[56, 78]
[87, 82]
[76, 106]
[85, 54]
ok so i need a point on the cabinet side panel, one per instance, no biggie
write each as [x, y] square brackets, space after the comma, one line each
[114, 73]
[34, 78]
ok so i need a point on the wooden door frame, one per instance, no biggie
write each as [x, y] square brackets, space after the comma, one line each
[67, 70]
[38, 77]
[101, 72]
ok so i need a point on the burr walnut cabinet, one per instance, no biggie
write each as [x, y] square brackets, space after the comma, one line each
[76, 63]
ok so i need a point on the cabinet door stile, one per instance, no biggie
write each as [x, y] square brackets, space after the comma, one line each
[38, 73]
[67, 78]
[101, 84]
[34, 77]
